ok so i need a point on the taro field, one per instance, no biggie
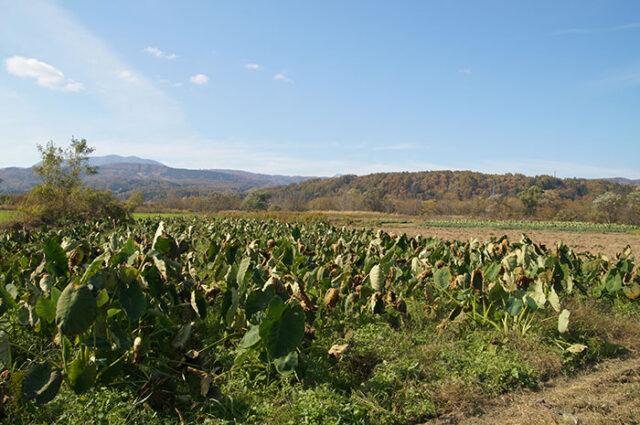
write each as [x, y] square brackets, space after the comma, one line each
[238, 320]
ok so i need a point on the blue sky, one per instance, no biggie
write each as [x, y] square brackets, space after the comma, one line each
[327, 87]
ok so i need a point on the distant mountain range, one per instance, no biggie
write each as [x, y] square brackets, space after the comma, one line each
[117, 159]
[623, 180]
[123, 175]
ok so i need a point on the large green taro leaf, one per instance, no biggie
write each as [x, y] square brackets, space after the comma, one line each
[286, 364]
[377, 278]
[46, 309]
[230, 305]
[81, 375]
[251, 338]
[613, 281]
[132, 300]
[258, 300]
[41, 383]
[442, 277]
[514, 306]
[55, 256]
[76, 309]
[282, 328]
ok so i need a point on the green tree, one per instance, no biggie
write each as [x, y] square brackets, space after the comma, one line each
[608, 205]
[135, 200]
[62, 169]
[61, 195]
[351, 200]
[374, 200]
[529, 198]
[633, 204]
[256, 201]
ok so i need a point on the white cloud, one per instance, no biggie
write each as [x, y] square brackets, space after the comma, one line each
[252, 66]
[154, 51]
[282, 77]
[45, 75]
[615, 28]
[199, 79]
[465, 71]
[168, 82]
[127, 76]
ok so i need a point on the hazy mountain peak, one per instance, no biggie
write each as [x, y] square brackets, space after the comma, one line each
[118, 159]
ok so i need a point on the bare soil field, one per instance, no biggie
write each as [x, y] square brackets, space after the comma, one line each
[594, 242]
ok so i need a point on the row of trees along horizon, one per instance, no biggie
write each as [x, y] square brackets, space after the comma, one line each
[63, 197]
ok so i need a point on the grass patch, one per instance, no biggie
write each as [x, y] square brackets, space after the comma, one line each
[7, 215]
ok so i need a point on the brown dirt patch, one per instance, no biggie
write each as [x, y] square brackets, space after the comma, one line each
[594, 242]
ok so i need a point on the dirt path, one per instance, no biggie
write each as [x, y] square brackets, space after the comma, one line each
[607, 395]
[607, 243]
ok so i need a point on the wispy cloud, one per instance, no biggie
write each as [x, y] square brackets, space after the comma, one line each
[45, 75]
[199, 79]
[282, 77]
[127, 76]
[154, 51]
[628, 76]
[615, 28]
[465, 71]
[396, 147]
[252, 66]
[169, 83]
[562, 169]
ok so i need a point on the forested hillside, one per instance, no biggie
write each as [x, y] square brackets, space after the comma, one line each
[461, 185]
[465, 193]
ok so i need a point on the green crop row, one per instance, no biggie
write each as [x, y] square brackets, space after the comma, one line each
[535, 225]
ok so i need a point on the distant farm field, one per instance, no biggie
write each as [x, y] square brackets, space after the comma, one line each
[6, 215]
[162, 215]
[608, 239]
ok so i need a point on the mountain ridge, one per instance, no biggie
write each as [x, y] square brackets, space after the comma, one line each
[123, 175]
